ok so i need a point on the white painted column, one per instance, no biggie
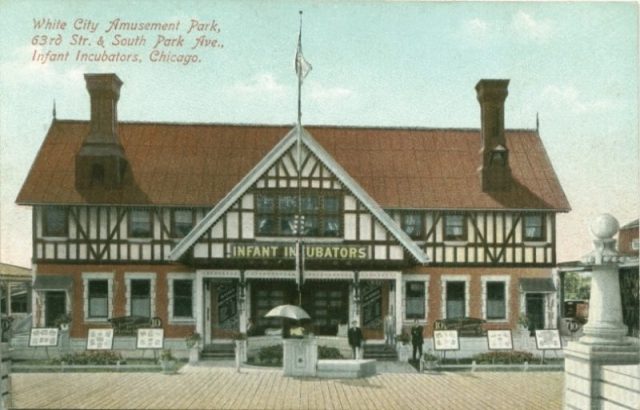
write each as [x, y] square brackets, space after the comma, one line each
[399, 311]
[200, 308]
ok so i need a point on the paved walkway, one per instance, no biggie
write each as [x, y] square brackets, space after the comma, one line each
[396, 386]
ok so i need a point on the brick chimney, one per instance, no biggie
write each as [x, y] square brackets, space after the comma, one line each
[494, 171]
[101, 161]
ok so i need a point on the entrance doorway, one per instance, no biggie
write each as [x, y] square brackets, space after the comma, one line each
[55, 305]
[535, 310]
[223, 308]
[374, 300]
[328, 305]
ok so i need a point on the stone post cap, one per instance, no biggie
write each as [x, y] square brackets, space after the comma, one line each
[604, 226]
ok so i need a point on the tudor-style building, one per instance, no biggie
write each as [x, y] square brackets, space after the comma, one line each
[208, 225]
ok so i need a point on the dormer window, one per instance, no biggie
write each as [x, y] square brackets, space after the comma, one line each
[55, 221]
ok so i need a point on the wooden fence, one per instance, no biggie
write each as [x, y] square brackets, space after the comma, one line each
[5, 379]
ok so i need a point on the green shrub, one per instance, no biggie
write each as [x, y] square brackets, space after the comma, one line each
[325, 352]
[507, 357]
[106, 357]
[271, 355]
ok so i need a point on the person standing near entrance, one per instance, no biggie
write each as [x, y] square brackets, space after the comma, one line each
[389, 329]
[416, 339]
[355, 338]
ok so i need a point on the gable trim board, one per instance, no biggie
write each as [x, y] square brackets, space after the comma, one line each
[292, 137]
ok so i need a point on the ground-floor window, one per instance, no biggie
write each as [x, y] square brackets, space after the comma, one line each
[98, 295]
[141, 297]
[183, 298]
[415, 295]
[141, 292]
[455, 299]
[98, 299]
[496, 300]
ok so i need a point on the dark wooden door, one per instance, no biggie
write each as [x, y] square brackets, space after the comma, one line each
[535, 310]
[55, 305]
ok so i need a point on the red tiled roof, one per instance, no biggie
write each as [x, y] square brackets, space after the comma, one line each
[198, 164]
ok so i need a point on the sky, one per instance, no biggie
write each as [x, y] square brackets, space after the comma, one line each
[406, 64]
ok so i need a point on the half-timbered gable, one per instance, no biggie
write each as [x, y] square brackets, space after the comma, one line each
[208, 226]
[314, 206]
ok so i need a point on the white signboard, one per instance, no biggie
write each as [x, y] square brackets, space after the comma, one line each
[499, 340]
[548, 339]
[100, 339]
[150, 339]
[445, 340]
[43, 337]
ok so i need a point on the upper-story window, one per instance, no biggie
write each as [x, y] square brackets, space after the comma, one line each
[412, 224]
[534, 227]
[455, 228]
[181, 222]
[140, 223]
[280, 214]
[55, 221]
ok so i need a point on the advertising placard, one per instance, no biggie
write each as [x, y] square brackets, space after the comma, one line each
[499, 340]
[150, 339]
[548, 339]
[446, 340]
[43, 337]
[100, 339]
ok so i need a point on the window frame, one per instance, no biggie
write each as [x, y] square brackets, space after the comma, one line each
[139, 297]
[423, 298]
[323, 215]
[47, 212]
[541, 237]
[130, 224]
[172, 278]
[448, 218]
[91, 276]
[404, 216]
[131, 276]
[174, 231]
[489, 300]
[506, 281]
[444, 279]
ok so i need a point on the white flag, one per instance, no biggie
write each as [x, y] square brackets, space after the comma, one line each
[302, 66]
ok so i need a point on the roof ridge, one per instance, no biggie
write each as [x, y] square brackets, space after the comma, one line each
[337, 126]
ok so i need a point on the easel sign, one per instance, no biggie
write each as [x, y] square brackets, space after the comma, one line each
[446, 340]
[100, 339]
[499, 340]
[150, 339]
[548, 339]
[43, 337]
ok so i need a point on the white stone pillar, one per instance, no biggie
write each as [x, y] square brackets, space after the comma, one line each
[604, 340]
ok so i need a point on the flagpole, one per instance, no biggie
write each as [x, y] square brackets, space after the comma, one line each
[299, 147]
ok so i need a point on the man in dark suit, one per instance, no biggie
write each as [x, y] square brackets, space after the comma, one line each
[417, 339]
[355, 338]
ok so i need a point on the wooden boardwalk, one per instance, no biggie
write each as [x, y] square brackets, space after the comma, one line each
[224, 388]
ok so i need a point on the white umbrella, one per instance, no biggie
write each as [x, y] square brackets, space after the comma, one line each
[289, 312]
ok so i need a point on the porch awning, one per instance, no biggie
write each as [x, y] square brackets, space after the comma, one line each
[52, 282]
[537, 285]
